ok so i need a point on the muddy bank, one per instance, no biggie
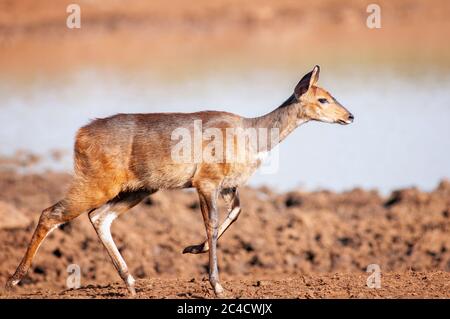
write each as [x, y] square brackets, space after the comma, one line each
[283, 235]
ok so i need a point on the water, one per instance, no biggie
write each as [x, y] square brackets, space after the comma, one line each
[400, 137]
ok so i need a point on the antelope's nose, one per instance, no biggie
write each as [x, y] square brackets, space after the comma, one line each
[351, 117]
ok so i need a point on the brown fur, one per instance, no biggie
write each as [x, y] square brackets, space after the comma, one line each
[121, 159]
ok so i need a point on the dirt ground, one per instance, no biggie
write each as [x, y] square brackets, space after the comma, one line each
[338, 285]
[290, 245]
[296, 244]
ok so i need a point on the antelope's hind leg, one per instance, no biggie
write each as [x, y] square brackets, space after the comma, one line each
[102, 219]
[51, 218]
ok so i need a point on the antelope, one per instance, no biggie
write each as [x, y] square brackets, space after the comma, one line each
[122, 159]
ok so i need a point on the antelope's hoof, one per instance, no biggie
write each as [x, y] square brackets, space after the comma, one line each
[196, 249]
[132, 291]
[219, 291]
[11, 284]
[130, 285]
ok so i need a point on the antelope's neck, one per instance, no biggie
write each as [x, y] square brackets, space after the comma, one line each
[284, 118]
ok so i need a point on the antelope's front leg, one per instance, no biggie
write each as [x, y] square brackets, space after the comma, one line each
[231, 197]
[208, 205]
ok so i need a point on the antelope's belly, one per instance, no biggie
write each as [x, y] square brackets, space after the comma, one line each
[239, 174]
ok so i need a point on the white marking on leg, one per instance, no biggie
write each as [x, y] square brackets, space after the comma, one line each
[130, 280]
[234, 213]
[218, 289]
[48, 233]
[105, 223]
[102, 222]
[100, 213]
[15, 282]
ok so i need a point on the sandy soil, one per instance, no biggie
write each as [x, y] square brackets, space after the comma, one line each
[338, 285]
[297, 244]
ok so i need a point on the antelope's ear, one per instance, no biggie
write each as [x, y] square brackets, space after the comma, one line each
[307, 81]
[315, 76]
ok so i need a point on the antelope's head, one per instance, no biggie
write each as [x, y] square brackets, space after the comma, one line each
[317, 104]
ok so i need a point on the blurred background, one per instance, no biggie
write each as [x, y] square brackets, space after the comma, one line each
[238, 56]
[331, 207]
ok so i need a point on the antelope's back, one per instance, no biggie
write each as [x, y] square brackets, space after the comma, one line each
[137, 148]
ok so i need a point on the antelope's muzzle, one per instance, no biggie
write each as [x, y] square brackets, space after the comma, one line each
[350, 118]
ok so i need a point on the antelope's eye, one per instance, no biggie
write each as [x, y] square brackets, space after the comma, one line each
[323, 101]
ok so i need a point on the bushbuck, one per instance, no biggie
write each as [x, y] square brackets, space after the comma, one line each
[120, 160]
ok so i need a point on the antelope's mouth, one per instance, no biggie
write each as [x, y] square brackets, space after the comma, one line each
[347, 121]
